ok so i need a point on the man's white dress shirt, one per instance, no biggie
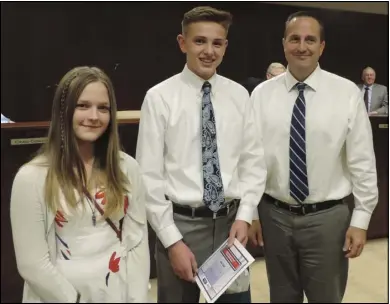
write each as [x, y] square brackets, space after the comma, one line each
[169, 148]
[339, 147]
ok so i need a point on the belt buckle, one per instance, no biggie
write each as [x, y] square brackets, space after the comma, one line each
[303, 209]
[215, 214]
[295, 209]
[192, 212]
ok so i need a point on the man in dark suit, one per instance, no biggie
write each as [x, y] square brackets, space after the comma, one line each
[375, 95]
[274, 69]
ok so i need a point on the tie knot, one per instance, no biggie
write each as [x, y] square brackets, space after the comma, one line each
[206, 88]
[301, 86]
[366, 88]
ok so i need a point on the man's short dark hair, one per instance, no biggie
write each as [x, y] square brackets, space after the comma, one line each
[306, 14]
[206, 13]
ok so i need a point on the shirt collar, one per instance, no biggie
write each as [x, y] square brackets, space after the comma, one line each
[369, 87]
[312, 81]
[195, 81]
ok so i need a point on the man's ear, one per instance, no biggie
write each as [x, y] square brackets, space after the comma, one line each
[181, 40]
[322, 47]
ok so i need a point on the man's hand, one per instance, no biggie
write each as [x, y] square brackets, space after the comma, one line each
[255, 234]
[239, 231]
[183, 261]
[355, 239]
[373, 113]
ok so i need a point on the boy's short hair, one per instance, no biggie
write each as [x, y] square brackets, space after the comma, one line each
[206, 13]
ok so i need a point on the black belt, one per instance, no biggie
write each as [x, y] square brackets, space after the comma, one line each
[204, 211]
[303, 208]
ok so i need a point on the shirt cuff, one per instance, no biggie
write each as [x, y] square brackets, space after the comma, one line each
[245, 213]
[360, 219]
[169, 235]
[256, 216]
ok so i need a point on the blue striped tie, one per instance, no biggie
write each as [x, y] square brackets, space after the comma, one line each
[299, 186]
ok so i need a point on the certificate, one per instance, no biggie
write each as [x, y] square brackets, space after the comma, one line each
[220, 270]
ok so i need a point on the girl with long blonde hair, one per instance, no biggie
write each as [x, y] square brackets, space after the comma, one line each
[77, 209]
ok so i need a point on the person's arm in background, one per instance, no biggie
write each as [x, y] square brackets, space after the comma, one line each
[29, 237]
[385, 102]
